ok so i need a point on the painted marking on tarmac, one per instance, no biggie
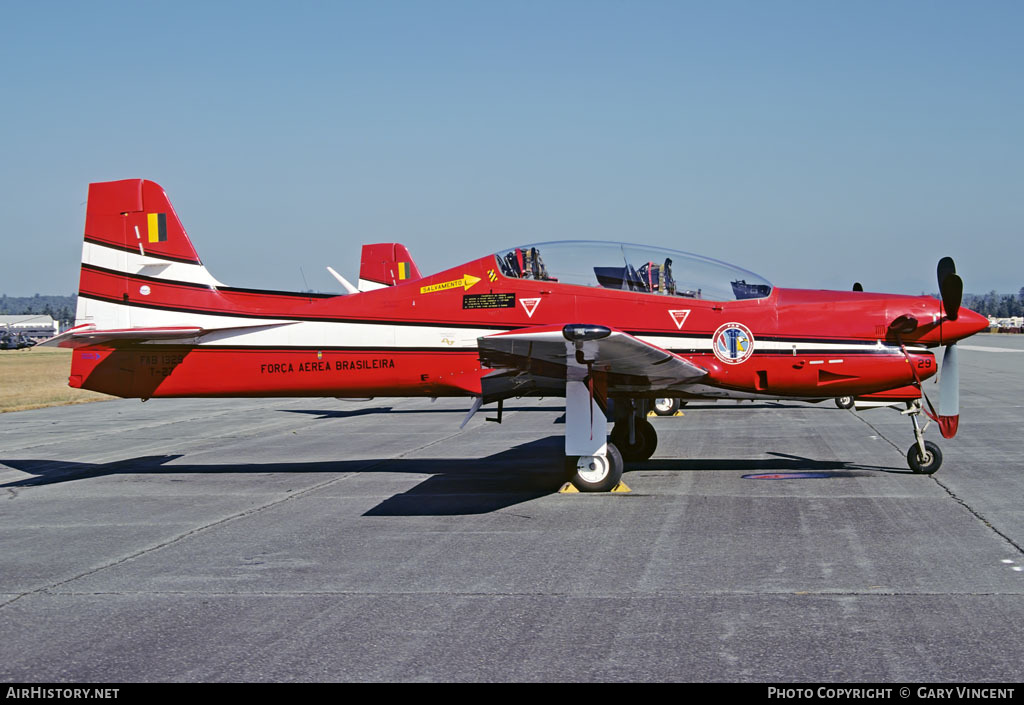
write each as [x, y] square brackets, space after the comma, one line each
[985, 348]
[787, 476]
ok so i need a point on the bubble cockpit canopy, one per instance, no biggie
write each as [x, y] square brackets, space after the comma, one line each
[613, 265]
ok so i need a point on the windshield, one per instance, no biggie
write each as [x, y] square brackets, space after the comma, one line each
[613, 265]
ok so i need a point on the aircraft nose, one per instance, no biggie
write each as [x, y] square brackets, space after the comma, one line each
[966, 324]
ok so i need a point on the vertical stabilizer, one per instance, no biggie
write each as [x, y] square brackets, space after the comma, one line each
[386, 264]
[132, 237]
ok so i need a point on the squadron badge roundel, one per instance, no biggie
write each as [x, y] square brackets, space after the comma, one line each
[733, 343]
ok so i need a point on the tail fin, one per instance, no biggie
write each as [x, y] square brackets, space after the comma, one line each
[132, 235]
[386, 264]
[134, 215]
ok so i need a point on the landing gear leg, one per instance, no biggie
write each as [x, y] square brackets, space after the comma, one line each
[632, 433]
[923, 457]
[592, 463]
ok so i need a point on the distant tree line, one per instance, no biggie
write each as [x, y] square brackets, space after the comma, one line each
[59, 308]
[995, 304]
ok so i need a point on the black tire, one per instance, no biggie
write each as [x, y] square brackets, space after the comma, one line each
[645, 440]
[666, 406]
[597, 482]
[927, 465]
[845, 402]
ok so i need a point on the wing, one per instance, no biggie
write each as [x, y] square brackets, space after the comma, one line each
[539, 360]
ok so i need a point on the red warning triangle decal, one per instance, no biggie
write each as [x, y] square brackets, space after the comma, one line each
[529, 305]
[679, 317]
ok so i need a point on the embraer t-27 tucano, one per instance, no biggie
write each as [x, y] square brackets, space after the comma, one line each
[608, 326]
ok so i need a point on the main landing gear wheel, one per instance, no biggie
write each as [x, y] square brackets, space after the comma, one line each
[592, 473]
[645, 440]
[929, 463]
[844, 402]
[666, 406]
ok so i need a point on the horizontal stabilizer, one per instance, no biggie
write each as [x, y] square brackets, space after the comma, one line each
[88, 334]
[343, 281]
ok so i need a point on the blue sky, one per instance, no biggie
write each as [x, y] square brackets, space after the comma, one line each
[814, 142]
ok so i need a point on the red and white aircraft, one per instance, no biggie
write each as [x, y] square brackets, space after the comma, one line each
[595, 322]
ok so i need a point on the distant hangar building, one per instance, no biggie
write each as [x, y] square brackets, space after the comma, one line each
[35, 326]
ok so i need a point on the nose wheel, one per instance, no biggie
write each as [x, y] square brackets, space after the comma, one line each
[924, 463]
[924, 457]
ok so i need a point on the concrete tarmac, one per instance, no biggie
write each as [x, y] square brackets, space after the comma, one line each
[326, 540]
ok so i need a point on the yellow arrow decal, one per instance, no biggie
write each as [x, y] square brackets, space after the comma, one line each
[466, 282]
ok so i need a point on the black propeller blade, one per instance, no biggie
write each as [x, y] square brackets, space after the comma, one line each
[945, 268]
[951, 287]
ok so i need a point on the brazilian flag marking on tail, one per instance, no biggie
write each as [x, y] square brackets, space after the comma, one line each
[157, 227]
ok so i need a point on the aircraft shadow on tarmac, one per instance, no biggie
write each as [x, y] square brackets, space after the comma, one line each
[454, 486]
[782, 462]
[729, 407]
[746, 405]
[342, 414]
[347, 413]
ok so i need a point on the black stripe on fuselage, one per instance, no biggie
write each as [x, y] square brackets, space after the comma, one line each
[206, 287]
[294, 317]
[135, 250]
[157, 347]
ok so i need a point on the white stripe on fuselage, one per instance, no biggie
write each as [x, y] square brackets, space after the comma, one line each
[312, 334]
[134, 263]
[289, 332]
[703, 344]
